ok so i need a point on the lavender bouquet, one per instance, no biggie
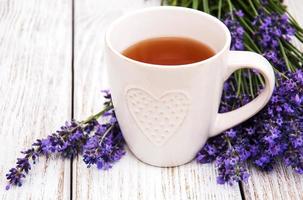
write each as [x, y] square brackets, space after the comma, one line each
[275, 133]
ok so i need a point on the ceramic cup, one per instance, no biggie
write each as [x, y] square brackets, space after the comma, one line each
[166, 113]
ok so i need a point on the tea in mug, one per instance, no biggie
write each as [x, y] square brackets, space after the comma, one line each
[169, 51]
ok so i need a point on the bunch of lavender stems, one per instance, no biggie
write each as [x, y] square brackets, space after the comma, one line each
[275, 133]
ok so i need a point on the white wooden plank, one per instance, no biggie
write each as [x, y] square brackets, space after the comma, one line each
[283, 183]
[129, 178]
[280, 184]
[296, 9]
[35, 85]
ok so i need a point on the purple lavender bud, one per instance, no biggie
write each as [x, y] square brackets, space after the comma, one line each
[298, 100]
[239, 13]
[250, 130]
[231, 133]
[106, 146]
[236, 30]
[297, 142]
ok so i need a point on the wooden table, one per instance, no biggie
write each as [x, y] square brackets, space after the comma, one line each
[51, 70]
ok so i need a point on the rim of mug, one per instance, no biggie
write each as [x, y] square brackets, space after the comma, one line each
[217, 21]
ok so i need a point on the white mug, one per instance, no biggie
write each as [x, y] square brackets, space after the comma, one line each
[166, 113]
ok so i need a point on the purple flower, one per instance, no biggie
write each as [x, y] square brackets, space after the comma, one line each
[48, 145]
[231, 168]
[106, 146]
[270, 29]
[297, 142]
[212, 149]
[264, 2]
[298, 99]
[239, 13]
[275, 132]
[236, 30]
[14, 177]
[250, 130]
[231, 133]
[101, 144]
[264, 162]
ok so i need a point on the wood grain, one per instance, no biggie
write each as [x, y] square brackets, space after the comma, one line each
[35, 98]
[283, 183]
[35, 85]
[129, 178]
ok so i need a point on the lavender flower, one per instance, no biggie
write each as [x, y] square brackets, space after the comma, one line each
[74, 138]
[236, 30]
[264, 2]
[270, 31]
[231, 168]
[212, 149]
[275, 132]
[106, 146]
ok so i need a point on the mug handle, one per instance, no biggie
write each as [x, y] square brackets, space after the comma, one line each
[236, 60]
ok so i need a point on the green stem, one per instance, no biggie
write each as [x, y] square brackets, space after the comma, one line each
[106, 132]
[293, 48]
[292, 65]
[219, 9]
[299, 34]
[248, 47]
[97, 115]
[247, 36]
[250, 84]
[280, 73]
[246, 25]
[244, 7]
[276, 7]
[205, 6]
[230, 6]
[174, 2]
[260, 79]
[259, 5]
[232, 86]
[245, 88]
[293, 52]
[195, 4]
[185, 4]
[299, 38]
[294, 22]
[253, 8]
[228, 142]
[284, 56]
[293, 60]
[239, 82]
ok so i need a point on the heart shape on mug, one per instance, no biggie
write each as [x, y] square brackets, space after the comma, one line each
[158, 118]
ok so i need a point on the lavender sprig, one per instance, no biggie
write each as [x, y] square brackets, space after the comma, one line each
[90, 138]
[276, 132]
[106, 146]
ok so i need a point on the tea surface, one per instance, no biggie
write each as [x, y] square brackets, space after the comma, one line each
[169, 51]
